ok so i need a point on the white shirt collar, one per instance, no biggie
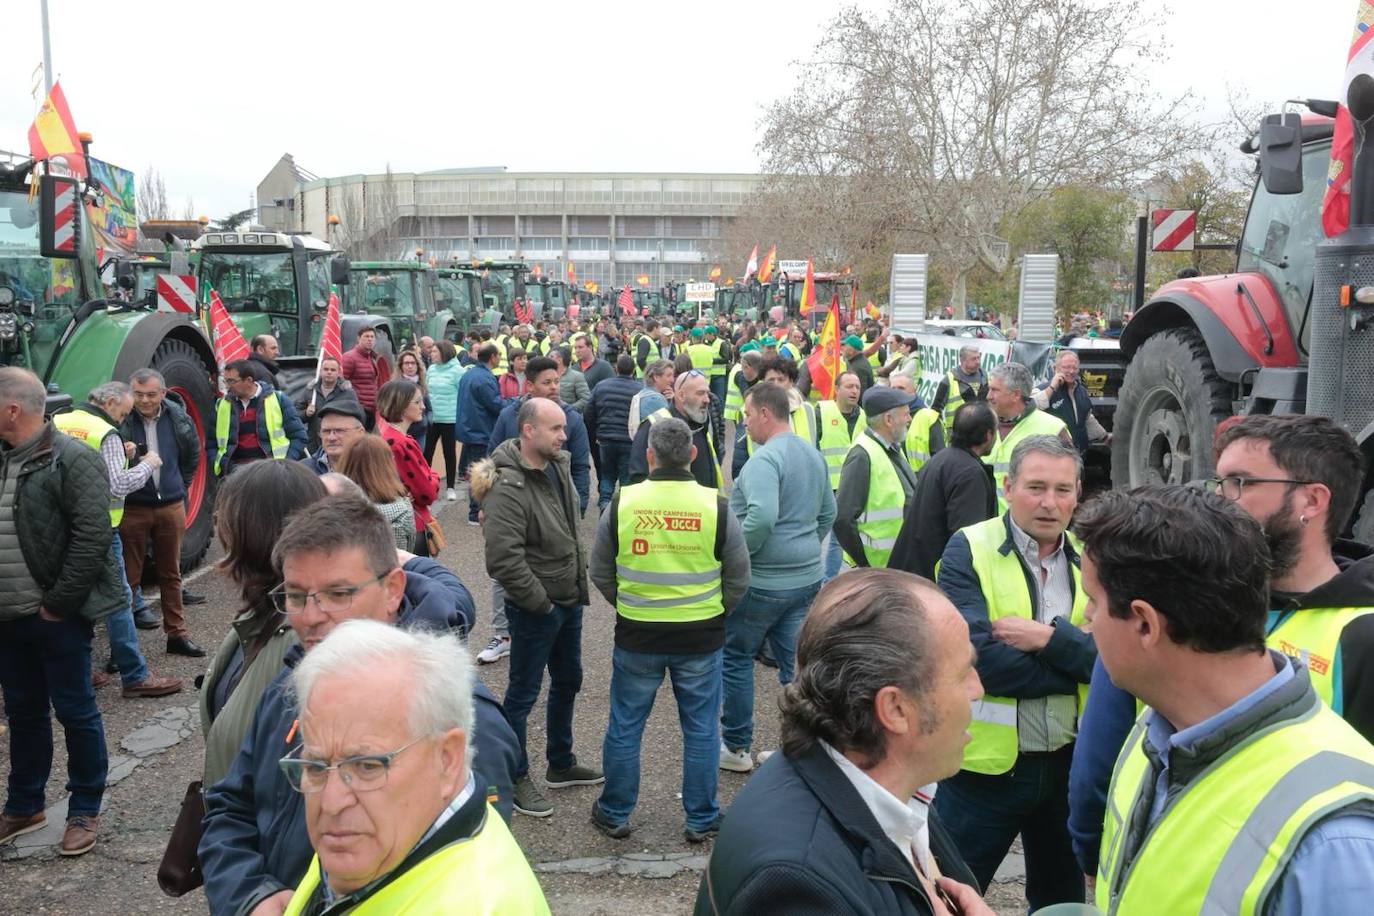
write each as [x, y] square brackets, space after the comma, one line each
[904, 823]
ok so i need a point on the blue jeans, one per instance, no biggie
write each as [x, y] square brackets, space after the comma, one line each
[774, 616]
[615, 468]
[834, 558]
[717, 385]
[635, 679]
[539, 641]
[983, 814]
[42, 662]
[119, 626]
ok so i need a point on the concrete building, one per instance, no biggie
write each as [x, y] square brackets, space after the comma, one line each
[613, 227]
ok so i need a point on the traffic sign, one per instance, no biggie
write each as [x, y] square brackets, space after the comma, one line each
[1173, 230]
[701, 292]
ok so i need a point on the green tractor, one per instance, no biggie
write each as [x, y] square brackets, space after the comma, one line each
[56, 321]
[277, 283]
[412, 296]
[503, 283]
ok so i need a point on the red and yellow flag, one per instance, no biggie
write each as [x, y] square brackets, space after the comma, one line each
[715, 274]
[808, 295]
[537, 271]
[642, 279]
[769, 260]
[53, 133]
[826, 362]
[872, 310]
[572, 274]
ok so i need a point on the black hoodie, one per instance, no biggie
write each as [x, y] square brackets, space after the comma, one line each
[1353, 586]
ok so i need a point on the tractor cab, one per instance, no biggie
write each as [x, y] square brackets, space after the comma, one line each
[458, 292]
[503, 282]
[400, 291]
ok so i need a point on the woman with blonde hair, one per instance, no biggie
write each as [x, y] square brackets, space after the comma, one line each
[367, 462]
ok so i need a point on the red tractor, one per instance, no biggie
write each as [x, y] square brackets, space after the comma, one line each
[1259, 340]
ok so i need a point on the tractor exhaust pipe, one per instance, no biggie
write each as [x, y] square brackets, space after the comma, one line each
[1360, 101]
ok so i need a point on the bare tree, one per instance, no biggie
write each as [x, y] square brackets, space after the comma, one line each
[188, 212]
[937, 120]
[151, 196]
[369, 220]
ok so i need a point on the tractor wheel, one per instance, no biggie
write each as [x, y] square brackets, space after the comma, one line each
[189, 379]
[1169, 405]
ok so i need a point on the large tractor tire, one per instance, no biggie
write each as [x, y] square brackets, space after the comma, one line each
[1167, 411]
[189, 379]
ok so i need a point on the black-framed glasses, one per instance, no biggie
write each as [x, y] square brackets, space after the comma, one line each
[363, 773]
[1232, 486]
[328, 600]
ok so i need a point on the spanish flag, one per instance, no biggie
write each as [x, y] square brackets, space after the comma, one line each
[825, 363]
[53, 133]
[766, 271]
[572, 274]
[808, 295]
[715, 273]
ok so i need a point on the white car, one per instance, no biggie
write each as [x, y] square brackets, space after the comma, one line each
[957, 328]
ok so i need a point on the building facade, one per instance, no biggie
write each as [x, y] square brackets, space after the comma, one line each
[612, 227]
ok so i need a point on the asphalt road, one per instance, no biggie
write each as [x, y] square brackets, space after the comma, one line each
[155, 748]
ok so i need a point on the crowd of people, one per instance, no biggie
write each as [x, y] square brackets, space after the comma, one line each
[1164, 693]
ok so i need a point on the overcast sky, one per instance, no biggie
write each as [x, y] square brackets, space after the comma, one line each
[212, 94]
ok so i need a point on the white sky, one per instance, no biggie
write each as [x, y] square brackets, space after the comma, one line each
[213, 93]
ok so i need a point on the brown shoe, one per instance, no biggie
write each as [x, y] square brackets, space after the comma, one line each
[11, 827]
[79, 837]
[99, 679]
[153, 686]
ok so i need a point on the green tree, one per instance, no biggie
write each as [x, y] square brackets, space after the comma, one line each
[1088, 228]
[236, 220]
[1221, 196]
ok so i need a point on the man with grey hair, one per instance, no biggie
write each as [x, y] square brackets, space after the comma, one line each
[56, 581]
[1015, 579]
[876, 481]
[672, 560]
[338, 563]
[159, 428]
[840, 821]
[389, 713]
[1009, 395]
[961, 385]
[96, 424]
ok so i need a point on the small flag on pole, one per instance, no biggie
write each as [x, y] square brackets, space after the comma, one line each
[53, 133]
[626, 300]
[769, 260]
[826, 362]
[715, 274]
[751, 267]
[229, 342]
[808, 294]
[572, 274]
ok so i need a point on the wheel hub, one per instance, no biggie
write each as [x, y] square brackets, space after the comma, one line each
[1162, 438]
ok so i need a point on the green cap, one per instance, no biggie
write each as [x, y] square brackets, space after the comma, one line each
[677, 329]
[770, 341]
[710, 329]
[749, 347]
[853, 341]
[697, 332]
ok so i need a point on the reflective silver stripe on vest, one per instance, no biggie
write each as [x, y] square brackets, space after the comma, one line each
[882, 515]
[637, 601]
[843, 449]
[666, 578]
[880, 543]
[1002, 467]
[919, 456]
[1317, 774]
[1104, 862]
[995, 713]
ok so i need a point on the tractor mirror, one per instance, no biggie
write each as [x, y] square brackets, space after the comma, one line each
[125, 281]
[338, 271]
[1281, 153]
[59, 200]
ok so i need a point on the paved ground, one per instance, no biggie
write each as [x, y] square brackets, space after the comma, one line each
[155, 750]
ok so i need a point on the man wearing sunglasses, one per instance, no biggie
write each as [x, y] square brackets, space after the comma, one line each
[1299, 476]
[339, 563]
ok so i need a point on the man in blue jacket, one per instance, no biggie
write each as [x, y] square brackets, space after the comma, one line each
[479, 395]
[608, 427]
[255, 847]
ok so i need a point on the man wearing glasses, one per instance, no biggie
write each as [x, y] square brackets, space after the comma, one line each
[252, 423]
[338, 563]
[1300, 477]
[397, 820]
[341, 424]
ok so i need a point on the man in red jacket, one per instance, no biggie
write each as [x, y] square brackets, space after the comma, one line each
[366, 371]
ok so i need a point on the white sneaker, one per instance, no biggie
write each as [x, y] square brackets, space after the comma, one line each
[452, 495]
[735, 761]
[761, 756]
[497, 649]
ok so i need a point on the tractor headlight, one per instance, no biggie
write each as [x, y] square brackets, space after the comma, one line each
[9, 326]
[6, 297]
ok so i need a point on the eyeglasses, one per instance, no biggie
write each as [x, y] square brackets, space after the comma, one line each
[329, 432]
[363, 773]
[328, 600]
[148, 395]
[1234, 485]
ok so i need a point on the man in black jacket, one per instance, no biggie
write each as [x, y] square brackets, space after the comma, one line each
[953, 490]
[156, 511]
[608, 427]
[840, 821]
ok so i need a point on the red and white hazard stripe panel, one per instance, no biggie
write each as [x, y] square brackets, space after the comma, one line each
[1174, 230]
[176, 293]
[64, 217]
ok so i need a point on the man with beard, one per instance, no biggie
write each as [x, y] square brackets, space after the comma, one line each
[264, 359]
[691, 403]
[1300, 477]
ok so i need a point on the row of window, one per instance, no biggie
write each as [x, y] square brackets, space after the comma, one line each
[468, 190]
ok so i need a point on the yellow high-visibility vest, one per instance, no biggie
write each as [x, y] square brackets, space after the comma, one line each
[836, 438]
[85, 427]
[667, 570]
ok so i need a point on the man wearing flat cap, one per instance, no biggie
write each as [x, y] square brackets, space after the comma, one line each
[876, 482]
[853, 349]
[341, 423]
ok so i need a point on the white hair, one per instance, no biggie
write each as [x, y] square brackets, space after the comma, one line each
[341, 485]
[441, 692]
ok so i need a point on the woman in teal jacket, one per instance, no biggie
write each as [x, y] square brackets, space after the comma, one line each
[444, 373]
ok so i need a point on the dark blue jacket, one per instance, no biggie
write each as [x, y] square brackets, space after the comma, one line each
[799, 840]
[178, 445]
[576, 445]
[1061, 407]
[255, 842]
[479, 404]
[608, 413]
[1059, 668]
[1105, 722]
